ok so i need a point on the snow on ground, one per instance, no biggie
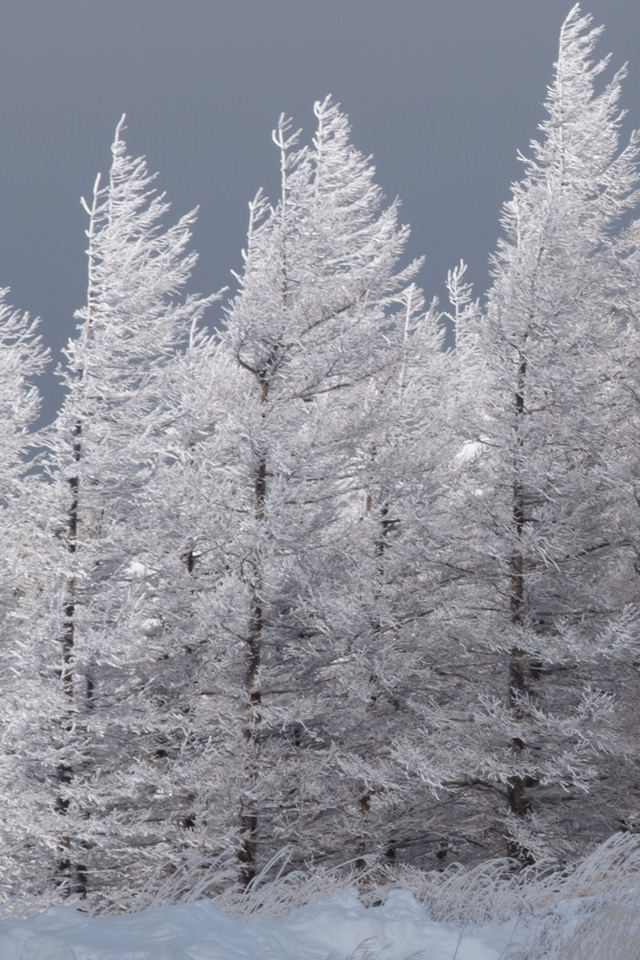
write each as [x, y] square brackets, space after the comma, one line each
[338, 926]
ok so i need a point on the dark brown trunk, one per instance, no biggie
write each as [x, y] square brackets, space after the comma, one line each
[519, 802]
[72, 877]
[249, 819]
[364, 806]
[364, 801]
[249, 815]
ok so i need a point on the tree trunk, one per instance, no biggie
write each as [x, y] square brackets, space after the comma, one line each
[364, 801]
[519, 802]
[249, 806]
[71, 877]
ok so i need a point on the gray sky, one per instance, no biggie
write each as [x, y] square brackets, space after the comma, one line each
[442, 93]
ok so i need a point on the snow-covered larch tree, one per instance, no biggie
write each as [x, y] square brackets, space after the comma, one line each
[549, 564]
[22, 359]
[109, 601]
[320, 313]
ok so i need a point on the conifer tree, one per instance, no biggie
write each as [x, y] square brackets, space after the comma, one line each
[319, 314]
[22, 359]
[113, 812]
[550, 553]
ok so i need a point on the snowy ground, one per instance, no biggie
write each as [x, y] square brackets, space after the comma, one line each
[591, 913]
[339, 926]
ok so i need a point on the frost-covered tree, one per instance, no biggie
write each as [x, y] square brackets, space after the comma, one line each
[111, 578]
[395, 596]
[22, 359]
[549, 563]
[319, 315]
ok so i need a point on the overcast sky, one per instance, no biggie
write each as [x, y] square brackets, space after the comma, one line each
[442, 93]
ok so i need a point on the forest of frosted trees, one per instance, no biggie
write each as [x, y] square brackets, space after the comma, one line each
[286, 574]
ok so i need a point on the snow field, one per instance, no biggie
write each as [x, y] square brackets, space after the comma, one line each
[338, 927]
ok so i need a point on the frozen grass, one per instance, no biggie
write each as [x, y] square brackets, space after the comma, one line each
[612, 932]
[496, 889]
[274, 893]
[588, 911]
[492, 890]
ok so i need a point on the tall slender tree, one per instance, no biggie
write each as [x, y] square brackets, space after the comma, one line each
[551, 553]
[22, 359]
[319, 314]
[107, 590]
